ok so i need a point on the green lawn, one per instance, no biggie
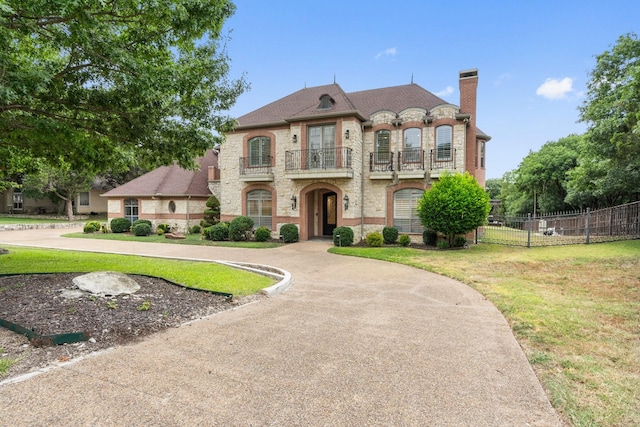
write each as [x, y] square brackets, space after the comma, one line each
[574, 309]
[13, 219]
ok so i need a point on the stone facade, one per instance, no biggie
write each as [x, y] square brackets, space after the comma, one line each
[355, 190]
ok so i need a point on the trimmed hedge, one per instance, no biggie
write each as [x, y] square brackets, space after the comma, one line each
[404, 240]
[262, 234]
[240, 228]
[141, 229]
[218, 232]
[120, 225]
[390, 235]
[429, 237]
[374, 239]
[92, 227]
[346, 236]
[289, 233]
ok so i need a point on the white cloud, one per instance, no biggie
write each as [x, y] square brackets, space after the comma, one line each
[445, 92]
[390, 51]
[555, 88]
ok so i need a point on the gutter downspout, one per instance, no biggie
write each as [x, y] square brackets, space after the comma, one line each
[362, 185]
[188, 212]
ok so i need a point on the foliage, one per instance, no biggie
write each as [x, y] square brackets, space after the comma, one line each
[390, 235]
[404, 240]
[493, 187]
[142, 221]
[212, 213]
[609, 170]
[289, 233]
[141, 229]
[342, 236]
[166, 228]
[262, 234]
[120, 225]
[443, 244]
[374, 239]
[429, 237]
[92, 227]
[456, 204]
[459, 241]
[113, 82]
[240, 228]
[218, 232]
[195, 229]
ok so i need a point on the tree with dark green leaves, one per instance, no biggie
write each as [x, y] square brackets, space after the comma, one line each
[608, 172]
[455, 204]
[110, 84]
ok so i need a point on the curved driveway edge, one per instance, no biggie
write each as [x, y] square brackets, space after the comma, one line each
[355, 342]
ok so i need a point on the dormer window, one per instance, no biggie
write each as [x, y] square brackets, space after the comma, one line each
[326, 102]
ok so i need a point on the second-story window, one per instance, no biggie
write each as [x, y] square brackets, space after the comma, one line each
[482, 153]
[412, 145]
[322, 146]
[383, 146]
[444, 140]
[260, 151]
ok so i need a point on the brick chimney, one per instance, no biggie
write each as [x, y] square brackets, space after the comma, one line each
[468, 95]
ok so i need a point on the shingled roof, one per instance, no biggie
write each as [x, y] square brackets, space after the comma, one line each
[170, 181]
[305, 103]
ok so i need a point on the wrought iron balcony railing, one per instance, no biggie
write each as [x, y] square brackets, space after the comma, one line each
[318, 159]
[443, 162]
[411, 160]
[381, 162]
[256, 165]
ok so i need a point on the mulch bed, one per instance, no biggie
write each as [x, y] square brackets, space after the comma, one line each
[34, 301]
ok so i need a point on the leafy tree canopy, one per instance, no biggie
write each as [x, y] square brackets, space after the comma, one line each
[114, 82]
[456, 204]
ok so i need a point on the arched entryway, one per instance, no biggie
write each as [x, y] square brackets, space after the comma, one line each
[320, 212]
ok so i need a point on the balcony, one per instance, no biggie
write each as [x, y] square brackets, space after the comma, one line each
[256, 169]
[381, 165]
[323, 163]
[411, 164]
[440, 166]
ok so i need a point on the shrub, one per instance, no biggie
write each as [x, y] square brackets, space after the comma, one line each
[120, 225]
[429, 237]
[141, 229]
[390, 235]
[165, 228]
[218, 232]
[374, 239]
[289, 233]
[160, 231]
[443, 244]
[240, 228]
[195, 229]
[141, 221]
[459, 241]
[262, 234]
[212, 213]
[92, 227]
[404, 240]
[346, 236]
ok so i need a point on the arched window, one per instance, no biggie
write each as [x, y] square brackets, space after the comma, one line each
[131, 209]
[412, 146]
[383, 146]
[405, 210]
[172, 206]
[260, 151]
[444, 140]
[259, 208]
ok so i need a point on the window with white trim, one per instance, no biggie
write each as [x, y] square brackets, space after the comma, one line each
[259, 208]
[131, 209]
[444, 142]
[83, 198]
[412, 144]
[260, 151]
[383, 146]
[405, 210]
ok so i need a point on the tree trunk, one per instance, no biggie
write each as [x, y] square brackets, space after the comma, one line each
[69, 209]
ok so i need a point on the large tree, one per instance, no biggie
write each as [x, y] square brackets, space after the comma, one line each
[612, 112]
[113, 83]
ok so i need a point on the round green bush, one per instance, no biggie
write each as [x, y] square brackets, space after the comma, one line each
[218, 232]
[374, 239]
[120, 225]
[90, 228]
[240, 228]
[196, 229]
[164, 227]
[262, 234]
[390, 235]
[459, 241]
[404, 240]
[142, 221]
[429, 237]
[289, 233]
[342, 236]
[141, 229]
[443, 244]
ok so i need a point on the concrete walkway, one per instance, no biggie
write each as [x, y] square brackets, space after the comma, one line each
[354, 342]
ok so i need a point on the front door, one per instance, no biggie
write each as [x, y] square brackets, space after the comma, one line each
[330, 213]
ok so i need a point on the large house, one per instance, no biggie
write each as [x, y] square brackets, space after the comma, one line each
[321, 157]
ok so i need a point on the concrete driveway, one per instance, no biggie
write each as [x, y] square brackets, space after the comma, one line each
[354, 342]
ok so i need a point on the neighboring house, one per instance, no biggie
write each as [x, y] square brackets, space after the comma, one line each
[87, 202]
[321, 158]
[168, 194]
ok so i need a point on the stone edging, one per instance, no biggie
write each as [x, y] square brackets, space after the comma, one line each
[20, 227]
[284, 276]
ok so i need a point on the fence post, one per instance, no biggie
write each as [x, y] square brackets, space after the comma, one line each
[529, 230]
[588, 225]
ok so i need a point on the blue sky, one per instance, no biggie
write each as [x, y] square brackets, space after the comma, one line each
[533, 58]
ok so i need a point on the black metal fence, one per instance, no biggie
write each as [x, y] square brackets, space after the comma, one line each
[568, 228]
